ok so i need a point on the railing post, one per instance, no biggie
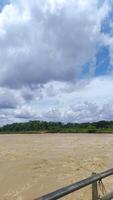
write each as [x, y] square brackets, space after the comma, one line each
[93, 179]
[94, 189]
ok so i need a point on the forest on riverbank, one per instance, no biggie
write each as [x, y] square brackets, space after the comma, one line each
[58, 127]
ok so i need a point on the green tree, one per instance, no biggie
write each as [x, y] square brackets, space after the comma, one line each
[91, 129]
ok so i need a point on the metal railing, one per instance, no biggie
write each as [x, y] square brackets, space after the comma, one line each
[94, 179]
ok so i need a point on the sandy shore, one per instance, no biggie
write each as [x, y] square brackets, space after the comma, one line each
[32, 165]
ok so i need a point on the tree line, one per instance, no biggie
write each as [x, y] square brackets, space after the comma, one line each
[58, 127]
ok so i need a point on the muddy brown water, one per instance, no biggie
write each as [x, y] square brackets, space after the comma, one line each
[33, 165]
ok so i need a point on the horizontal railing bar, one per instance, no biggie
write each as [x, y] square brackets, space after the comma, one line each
[75, 186]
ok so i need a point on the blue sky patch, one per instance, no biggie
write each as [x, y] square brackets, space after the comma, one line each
[102, 62]
[85, 70]
[3, 3]
[106, 24]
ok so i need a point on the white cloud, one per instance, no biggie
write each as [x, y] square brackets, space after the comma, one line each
[89, 102]
[44, 48]
[38, 44]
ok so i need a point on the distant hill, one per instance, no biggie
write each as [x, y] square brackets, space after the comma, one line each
[55, 127]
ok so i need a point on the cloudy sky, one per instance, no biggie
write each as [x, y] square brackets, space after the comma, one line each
[56, 60]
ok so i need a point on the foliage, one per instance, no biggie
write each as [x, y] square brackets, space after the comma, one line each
[91, 129]
[58, 127]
